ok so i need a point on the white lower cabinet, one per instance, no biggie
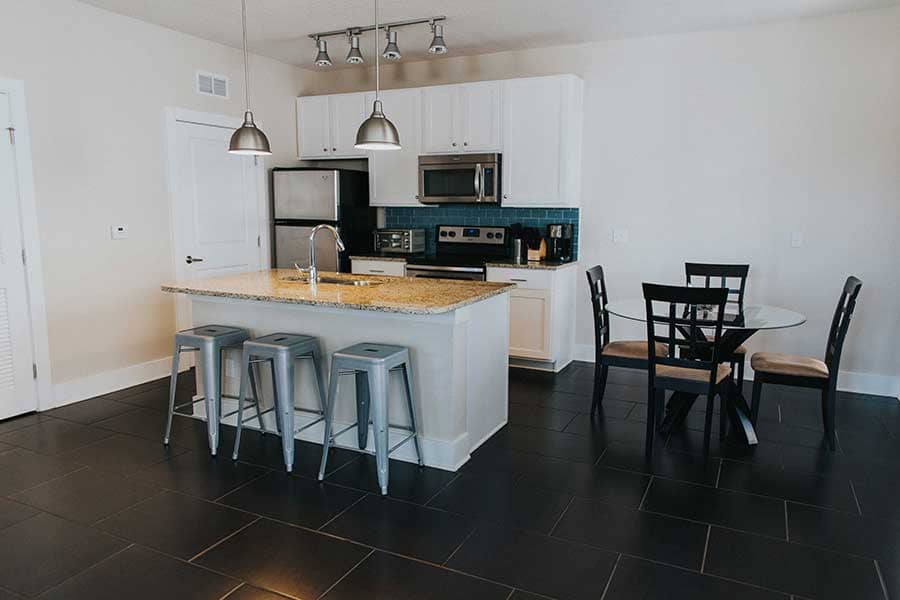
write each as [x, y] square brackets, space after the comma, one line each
[378, 267]
[541, 315]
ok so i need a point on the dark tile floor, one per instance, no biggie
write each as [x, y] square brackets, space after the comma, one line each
[556, 505]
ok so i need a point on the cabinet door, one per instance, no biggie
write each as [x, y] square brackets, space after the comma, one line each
[529, 323]
[348, 111]
[478, 117]
[438, 128]
[313, 127]
[394, 174]
[378, 267]
[532, 141]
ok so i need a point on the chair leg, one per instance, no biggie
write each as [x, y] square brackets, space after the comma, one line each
[828, 407]
[329, 416]
[242, 397]
[724, 399]
[253, 371]
[318, 367]
[707, 429]
[651, 425]
[740, 373]
[284, 383]
[407, 380]
[275, 398]
[378, 395]
[754, 402]
[601, 372]
[173, 384]
[212, 376]
[363, 400]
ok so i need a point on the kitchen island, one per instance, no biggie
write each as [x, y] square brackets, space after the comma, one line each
[457, 333]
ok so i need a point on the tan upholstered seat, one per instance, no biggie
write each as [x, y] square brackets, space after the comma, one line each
[740, 350]
[692, 374]
[788, 364]
[631, 349]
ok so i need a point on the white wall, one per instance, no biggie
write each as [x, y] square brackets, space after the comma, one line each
[716, 146]
[96, 88]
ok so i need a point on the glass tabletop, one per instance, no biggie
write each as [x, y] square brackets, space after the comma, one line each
[756, 316]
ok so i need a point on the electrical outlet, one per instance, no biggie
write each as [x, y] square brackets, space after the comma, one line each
[118, 232]
[620, 236]
[796, 239]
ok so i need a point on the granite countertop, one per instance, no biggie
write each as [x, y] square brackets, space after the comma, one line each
[386, 294]
[508, 263]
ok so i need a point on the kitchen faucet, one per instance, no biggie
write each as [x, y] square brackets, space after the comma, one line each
[313, 271]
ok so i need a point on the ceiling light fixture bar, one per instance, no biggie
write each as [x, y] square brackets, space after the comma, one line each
[361, 29]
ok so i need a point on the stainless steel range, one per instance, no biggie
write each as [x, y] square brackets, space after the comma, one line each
[461, 253]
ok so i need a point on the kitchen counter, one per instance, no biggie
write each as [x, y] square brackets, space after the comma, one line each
[457, 333]
[543, 265]
[385, 294]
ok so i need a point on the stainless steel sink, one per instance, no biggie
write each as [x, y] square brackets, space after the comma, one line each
[329, 279]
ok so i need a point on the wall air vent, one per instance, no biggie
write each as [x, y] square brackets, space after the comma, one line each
[210, 84]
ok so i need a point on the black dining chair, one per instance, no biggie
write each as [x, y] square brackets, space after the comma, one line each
[808, 372]
[676, 321]
[630, 354]
[722, 275]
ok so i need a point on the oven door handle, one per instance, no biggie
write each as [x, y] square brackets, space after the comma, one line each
[440, 268]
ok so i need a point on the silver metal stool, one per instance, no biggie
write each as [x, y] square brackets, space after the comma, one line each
[372, 365]
[210, 342]
[281, 349]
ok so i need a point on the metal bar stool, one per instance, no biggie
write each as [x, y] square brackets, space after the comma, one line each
[282, 349]
[372, 365]
[211, 341]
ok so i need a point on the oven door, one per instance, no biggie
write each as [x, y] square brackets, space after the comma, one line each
[458, 183]
[441, 272]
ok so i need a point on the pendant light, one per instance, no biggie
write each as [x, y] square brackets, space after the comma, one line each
[377, 132]
[248, 138]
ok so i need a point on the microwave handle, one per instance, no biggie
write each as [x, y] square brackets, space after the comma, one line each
[479, 175]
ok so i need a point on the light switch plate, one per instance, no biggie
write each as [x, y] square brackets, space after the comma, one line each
[796, 239]
[620, 236]
[118, 232]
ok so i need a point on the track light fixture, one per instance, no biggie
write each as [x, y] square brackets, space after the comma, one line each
[322, 58]
[437, 41]
[391, 50]
[354, 57]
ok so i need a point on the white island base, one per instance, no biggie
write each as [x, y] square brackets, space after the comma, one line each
[460, 360]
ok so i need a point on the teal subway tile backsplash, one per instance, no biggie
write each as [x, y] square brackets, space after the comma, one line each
[429, 218]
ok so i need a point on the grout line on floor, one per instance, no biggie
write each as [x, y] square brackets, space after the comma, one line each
[240, 487]
[719, 473]
[335, 584]
[599, 458]
[511, 592]
[780, 419]
[787, 529]
[458, 546]
[705, 548]
[89, 567]
[129, 507]
[43, 483]
[646, 492]
[341, 513]
[612, 574]
[855, 497]
[224, 539]
[240, 585]
[881, 580]
[442, 488]
[561, 515]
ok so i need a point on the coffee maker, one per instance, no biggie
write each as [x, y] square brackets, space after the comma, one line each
[559, 246]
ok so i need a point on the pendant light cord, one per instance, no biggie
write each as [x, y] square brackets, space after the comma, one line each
[246, 59]
[377, 74]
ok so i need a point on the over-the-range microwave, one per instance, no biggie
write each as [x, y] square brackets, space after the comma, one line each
[459, 179]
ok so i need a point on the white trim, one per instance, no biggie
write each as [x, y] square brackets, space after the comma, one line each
[848, 381]
[98, 384]
[31, 240]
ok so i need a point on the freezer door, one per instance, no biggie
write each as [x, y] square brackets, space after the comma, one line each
[292, 246]
[306, 195]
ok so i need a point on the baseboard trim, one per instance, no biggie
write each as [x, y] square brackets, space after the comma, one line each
[848, 381]
[98, 384]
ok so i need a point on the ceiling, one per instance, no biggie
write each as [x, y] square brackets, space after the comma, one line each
[279, 28]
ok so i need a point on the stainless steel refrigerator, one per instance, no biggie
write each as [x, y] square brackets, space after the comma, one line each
[305, 197]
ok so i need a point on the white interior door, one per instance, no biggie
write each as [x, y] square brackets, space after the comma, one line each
[17, 386]
[217, 206]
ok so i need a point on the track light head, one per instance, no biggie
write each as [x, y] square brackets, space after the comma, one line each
[391, 51]
[354, 57]
[437, 41]
[322, 58]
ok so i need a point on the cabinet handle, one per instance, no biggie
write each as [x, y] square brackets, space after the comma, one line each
[376, 270]
[324, 149]
[505, 196]
[519, 280]
[465, 143]
[334, 149]
[453, 144]
[192, 259]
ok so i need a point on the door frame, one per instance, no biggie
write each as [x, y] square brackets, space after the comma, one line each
[31, 241]
[174, 116]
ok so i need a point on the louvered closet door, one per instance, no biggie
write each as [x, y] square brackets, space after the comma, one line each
[17, 391]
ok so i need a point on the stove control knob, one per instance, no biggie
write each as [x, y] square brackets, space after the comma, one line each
[497, 235]
[443, 234]
[490, 236]
[452, 234]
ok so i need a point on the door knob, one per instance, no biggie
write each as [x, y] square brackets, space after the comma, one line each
[192, 259]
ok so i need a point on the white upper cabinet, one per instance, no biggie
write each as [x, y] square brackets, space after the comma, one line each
[394, 174]
[327, 125]
[542, 141]
[461, 118]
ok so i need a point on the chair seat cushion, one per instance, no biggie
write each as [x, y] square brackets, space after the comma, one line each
[692, 374]
[631, 349]
[788, 364]
[740, 350]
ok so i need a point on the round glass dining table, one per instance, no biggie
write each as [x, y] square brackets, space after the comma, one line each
[736, 329]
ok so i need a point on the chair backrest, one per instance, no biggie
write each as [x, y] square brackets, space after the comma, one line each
[599, 300]
[713, 275]
[840, 323]
[676, 322]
